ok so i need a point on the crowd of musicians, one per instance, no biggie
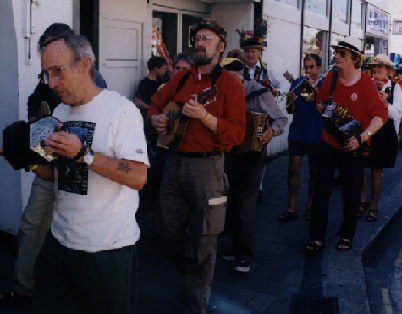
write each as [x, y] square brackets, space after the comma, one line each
[206, 131]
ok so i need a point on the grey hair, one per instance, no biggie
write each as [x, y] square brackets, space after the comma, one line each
[81, 48]
[186, 56]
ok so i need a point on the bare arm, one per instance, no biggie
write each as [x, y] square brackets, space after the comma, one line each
[375, 124]
[125, 172]
[141, 104]
[45, 172]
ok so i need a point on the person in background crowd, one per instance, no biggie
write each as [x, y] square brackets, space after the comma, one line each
[182, 61]
[192, 198]
[88, 260]
[148, 86]
[384, 144]
[304, 136]
[253, 46]
[357, 98]
[244, 168]
[37, 215]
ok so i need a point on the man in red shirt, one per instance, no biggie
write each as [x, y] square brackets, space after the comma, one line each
[192, 199]
[357, 97]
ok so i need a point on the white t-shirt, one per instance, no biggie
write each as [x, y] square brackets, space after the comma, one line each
[104, 218]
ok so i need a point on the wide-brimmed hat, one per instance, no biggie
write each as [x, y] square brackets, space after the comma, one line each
[382, 59]
[346, 44]
[232, 64]
[212, 26]
[254, 39]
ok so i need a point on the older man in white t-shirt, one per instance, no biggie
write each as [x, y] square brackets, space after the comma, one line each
[87, 262]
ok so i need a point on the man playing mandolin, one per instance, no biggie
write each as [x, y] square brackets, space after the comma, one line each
[192, 199]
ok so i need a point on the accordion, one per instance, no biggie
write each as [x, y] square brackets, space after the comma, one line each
[340, 123]
[256, 124]
[23, 143]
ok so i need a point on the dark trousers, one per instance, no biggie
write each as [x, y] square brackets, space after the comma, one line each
[351, 175]
[244, 171]
[190, 214]
[70, 281]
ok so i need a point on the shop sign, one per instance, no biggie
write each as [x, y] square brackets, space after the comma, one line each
[377, 21]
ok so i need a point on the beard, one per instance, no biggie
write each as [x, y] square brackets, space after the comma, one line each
[200, 56]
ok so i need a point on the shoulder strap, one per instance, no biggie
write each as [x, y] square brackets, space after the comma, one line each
[391, 98]
[183, 81]
[333, 84]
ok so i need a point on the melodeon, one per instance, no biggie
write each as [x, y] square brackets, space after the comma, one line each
[256, 125]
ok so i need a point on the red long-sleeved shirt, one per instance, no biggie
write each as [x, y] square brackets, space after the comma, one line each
[228, 107]
[361, 99]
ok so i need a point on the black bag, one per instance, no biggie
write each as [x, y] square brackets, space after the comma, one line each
[17, 142]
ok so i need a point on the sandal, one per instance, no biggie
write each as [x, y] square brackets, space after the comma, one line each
[372, 215]
[288, 216]
[344, 242]
[313, 248]
[308, 214]
[362, 208]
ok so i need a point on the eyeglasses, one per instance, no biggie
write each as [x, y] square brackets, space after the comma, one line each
[207, 38]
[55, 72]
[341, 53]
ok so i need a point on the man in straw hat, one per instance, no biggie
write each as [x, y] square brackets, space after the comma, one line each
[192, 199]
[384, 144]
[355, 98]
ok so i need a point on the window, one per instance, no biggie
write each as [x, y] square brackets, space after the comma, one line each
[293, 3]
[166, 24]
[188, 21]
[340, 10]
[317, 6]
[357, 13]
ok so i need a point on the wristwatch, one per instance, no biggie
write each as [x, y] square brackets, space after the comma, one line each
[89, 158]
[368, 133]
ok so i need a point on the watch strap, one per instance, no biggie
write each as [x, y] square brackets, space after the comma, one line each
[81, 153]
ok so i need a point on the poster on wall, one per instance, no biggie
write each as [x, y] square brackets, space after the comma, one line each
[377, 21]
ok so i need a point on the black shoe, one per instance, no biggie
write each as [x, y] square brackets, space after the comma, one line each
[242, 266]
[228, 256]
[12, 297]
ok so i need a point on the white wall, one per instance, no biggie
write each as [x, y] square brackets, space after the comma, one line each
[41, 16]
[234, 16]
[395, 43]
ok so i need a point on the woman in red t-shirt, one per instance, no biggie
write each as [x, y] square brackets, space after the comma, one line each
[357, 96]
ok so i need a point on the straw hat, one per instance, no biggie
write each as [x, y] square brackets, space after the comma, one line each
[382, 59]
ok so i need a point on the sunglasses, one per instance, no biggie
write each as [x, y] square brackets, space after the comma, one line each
[341, 53]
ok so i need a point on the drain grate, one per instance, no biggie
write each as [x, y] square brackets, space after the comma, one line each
[313, 305]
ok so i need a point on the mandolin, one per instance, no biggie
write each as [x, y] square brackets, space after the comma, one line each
[177, 121]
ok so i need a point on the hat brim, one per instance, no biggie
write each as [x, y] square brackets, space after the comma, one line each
[379, 62]
[259, 47]
[356, 51]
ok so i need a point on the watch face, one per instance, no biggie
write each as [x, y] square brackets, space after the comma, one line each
[89, 158]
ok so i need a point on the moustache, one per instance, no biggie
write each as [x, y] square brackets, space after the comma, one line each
[198, 49]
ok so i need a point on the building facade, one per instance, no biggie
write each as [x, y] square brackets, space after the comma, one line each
[121, 32]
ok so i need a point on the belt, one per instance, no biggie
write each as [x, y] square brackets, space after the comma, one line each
[199, 154]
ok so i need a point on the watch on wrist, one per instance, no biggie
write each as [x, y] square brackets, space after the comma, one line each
[368, 133]
[89, 158]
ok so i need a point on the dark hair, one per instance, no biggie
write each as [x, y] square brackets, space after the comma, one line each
[54, 32]
[316, 57]
[186, 56]
[156, 62]
[355, 57]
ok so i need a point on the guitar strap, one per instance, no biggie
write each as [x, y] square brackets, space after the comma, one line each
[217, 71]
